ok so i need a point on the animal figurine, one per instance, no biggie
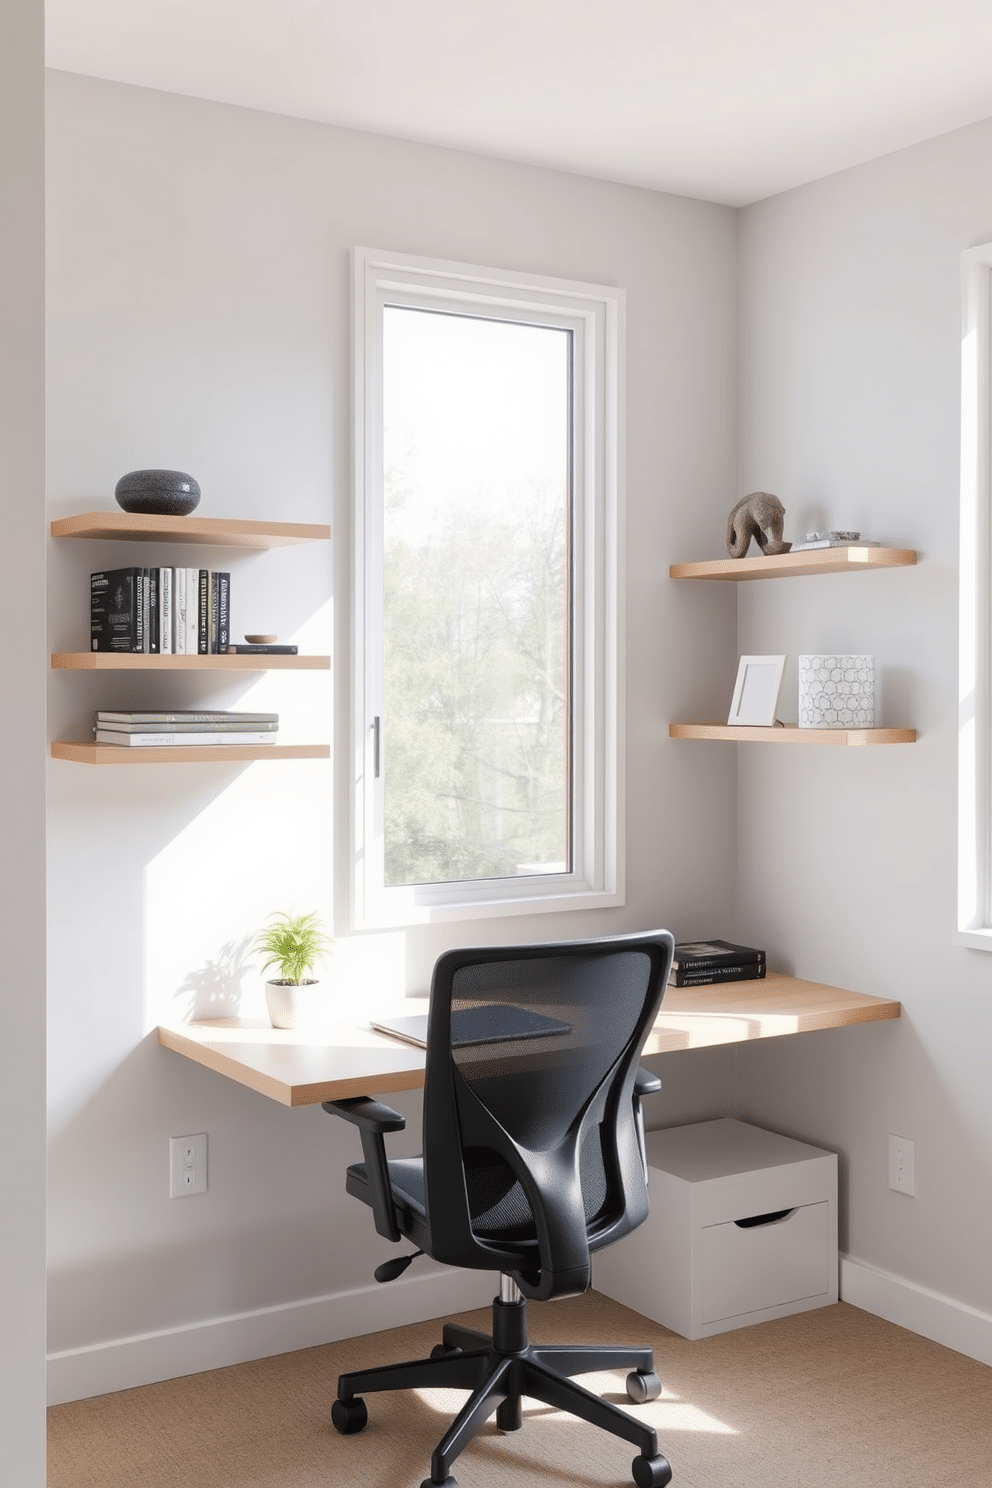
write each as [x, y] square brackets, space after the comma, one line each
[756, 516]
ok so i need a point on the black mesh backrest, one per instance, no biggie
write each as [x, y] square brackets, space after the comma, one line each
[531, 1150]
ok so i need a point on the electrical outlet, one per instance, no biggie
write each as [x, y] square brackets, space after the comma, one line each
[187, 1166]
[902, 1165]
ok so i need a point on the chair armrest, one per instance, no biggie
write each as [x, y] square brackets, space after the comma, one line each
[373, 1120]
[367, 1114]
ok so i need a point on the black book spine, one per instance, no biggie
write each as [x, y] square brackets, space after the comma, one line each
[154, 640]
[212, 602]
[222, 602]
[203, 612]
[744, 971]
[100, 601]
[115, 610]
[141, 607]
[743, 954]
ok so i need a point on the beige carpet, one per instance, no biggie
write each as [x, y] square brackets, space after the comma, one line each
[831, 1397]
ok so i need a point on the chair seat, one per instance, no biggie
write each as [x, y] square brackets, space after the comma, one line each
[501, 1214]
[500, 1211]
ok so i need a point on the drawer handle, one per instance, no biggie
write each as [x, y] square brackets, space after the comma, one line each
[754, 1220]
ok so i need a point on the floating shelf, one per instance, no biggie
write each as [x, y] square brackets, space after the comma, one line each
[214, 531]
[745, 734]
[851, 559]
[136, 661]
[219, 754]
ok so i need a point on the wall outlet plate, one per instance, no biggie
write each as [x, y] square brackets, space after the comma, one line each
[187, 1166]
[902, 1164]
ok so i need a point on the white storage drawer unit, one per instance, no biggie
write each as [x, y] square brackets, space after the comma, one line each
[743, 1227]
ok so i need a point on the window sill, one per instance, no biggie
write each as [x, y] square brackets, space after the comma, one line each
[403, 911]
[975, 940]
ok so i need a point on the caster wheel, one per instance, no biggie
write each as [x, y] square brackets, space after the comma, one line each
[449, 1482]
[643, 1387]
[651, 1472]
[442, 1351]
[349, 1416]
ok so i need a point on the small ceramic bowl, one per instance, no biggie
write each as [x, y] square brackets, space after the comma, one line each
[261, 640]
[158, 493]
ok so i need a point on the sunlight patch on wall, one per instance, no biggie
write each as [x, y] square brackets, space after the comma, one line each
[262, 844]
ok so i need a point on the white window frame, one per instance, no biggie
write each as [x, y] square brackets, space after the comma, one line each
[595, 315]
[975, 650]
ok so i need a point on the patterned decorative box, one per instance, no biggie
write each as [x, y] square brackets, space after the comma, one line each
[836, 692]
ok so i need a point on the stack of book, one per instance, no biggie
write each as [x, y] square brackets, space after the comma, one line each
[185, 611]
[159, 730]
[831, 540]
[699, 962]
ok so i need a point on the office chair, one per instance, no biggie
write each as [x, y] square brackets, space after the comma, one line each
[533, 1157]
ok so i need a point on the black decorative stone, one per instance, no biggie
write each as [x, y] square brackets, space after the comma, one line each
[158, 493]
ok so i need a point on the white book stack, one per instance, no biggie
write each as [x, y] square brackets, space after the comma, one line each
[174, 727]
[832, 540]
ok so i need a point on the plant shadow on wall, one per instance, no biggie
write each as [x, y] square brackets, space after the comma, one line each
[215, 989]
[210, 884]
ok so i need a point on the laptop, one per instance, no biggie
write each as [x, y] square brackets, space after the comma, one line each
[498, 1023]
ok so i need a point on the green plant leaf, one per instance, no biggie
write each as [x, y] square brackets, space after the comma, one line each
[295, 943]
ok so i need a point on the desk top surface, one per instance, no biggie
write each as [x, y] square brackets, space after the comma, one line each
[298, 1067]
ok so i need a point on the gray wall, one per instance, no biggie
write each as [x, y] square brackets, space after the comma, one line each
[199, 318]
[847, 859]
[22, 778]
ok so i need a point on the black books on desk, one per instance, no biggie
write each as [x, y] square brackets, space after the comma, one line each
[699, 962]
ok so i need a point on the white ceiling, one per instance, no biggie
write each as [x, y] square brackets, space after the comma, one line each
[728, 100]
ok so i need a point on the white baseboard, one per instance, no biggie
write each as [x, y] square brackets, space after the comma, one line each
[929, 1313]
[122, 1363]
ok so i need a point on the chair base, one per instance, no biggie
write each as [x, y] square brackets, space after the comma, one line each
[499, 1371]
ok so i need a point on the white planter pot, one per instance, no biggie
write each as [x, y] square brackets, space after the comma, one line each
[836, 692]
[292, 1006]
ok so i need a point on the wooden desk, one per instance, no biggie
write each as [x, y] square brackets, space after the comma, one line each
[298, 1068]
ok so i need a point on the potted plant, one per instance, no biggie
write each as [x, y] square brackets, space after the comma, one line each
[294, 943]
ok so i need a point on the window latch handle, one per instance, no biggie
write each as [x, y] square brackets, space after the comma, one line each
[376, 752]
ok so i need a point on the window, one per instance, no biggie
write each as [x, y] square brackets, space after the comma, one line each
[487, 678]
[975, 649]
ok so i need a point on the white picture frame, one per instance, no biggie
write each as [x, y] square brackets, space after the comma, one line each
[759, 679]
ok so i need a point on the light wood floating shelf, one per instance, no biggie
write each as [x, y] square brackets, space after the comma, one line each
[839, 738]
[213, 531]
[211, 754]
[851, 559]
[135, 661]
[302, 1068]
